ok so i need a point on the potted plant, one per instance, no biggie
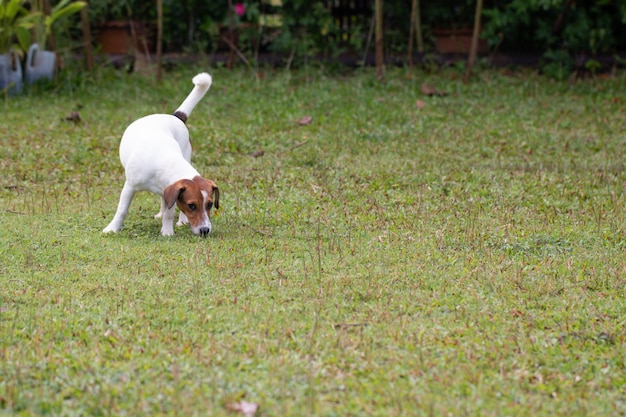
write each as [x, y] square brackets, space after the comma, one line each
[122, 26]
[41, 63]
[15, 25]
[450, 23]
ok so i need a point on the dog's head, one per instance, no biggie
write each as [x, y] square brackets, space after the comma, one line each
[195, 198]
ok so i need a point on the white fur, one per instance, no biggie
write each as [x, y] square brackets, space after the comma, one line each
[155, 152]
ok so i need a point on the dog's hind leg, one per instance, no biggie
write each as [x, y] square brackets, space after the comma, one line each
[182, 219]
[161, 211]
[126, 197]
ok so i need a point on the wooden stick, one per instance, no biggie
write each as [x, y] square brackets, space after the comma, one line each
[231, 35]
[159, 45]
[380, 64]
[369, 38]
[418, 29]
[411, 32]
[474, 46]
[234, 48]
[87, 46]
[47, 10]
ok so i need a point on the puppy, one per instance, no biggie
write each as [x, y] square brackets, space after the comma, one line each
[156, 153]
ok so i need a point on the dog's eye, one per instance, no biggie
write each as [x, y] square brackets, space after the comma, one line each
[192, 207]
[209, 206]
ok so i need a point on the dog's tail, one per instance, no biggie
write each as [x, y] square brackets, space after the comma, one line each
[202, 83]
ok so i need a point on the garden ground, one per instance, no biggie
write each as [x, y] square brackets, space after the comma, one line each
[398, 255]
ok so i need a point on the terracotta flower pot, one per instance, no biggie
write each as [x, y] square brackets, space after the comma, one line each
[116, 37]
[457, 41]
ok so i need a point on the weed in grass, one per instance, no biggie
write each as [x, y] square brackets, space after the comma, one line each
[464, 257]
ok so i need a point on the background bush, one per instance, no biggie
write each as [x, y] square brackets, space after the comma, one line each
[560, 31]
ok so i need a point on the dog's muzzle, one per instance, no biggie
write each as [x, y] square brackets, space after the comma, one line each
[204, 231]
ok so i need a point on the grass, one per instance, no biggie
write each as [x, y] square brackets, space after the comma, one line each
[464, 258]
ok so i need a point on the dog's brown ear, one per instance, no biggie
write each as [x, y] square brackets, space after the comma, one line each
[172, 192]
[216, 197]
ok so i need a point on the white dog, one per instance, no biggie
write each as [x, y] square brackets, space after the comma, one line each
[156, 153]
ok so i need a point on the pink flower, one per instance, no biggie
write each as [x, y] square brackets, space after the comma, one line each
[240, 9]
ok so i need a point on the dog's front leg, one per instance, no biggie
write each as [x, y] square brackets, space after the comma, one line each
[167, 225]
[126, 197]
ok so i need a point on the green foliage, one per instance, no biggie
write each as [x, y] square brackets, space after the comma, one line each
[193, 25]
[557, 64]
[308, 30]
[326, 29]
[101, 11]
[442, 14]
[43, 22]
[15, 25]
[561, 29]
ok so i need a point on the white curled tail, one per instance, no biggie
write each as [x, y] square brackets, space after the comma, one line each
[202, 83]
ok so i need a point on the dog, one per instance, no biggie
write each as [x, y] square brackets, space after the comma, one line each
[155, 152]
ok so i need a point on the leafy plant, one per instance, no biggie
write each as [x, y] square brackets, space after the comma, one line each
[308, 30]
[192, 24]
[43, 22]
[101, 11]
[557, 64]
[445, 14]
[15, 25]
[546, 26]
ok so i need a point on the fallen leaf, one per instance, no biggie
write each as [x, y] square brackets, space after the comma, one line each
[73, 117]
[257, 153]
[420, 104]
[429, 90]
[244, 407]
[306, 120]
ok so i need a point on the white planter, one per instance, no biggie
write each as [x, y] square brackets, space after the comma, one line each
[39, 64]
[10, 73]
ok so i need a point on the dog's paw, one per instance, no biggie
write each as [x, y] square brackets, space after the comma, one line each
[110, 229]
[167, 232]
[158, 215]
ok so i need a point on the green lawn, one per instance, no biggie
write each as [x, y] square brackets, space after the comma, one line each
[463, 257]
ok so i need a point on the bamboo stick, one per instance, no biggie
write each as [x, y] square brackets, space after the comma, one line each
[380, 64]
[471, 59]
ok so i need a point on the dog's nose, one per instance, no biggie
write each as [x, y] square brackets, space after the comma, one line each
[204, 231]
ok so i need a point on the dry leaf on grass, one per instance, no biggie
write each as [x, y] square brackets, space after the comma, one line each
[429, 90]
[73, 117]
[244, 407]
[306, 120]
[420, 104]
